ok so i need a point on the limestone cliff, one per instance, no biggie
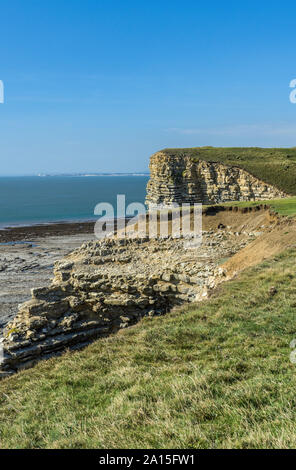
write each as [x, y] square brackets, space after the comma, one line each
[183, 179]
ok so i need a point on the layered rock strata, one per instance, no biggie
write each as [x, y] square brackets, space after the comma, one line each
[183, 179]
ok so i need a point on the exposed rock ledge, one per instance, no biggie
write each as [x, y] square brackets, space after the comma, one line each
[111, 284]
[183, 179]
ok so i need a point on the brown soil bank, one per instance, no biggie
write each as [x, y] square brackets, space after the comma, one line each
[273, 233]
[239, 218]
[270, 243]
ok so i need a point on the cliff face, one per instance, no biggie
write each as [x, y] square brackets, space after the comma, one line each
[183, 179]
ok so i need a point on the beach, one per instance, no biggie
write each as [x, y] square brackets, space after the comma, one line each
[27, 257]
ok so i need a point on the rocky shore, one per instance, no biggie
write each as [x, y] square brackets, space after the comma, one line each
[27, 257]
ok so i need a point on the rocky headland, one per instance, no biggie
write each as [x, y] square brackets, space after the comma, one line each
[184, 179]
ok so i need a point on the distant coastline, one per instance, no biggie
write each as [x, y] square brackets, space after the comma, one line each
[93, 174]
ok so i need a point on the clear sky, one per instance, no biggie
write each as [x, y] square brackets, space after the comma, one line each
[99, 85]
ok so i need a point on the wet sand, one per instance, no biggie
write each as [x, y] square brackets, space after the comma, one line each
[27, 256]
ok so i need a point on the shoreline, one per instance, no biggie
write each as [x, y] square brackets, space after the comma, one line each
[12, 225]
[29, 261]
[27, 233]
[55, 229]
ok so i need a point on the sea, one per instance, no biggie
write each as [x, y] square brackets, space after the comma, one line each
[30, 200]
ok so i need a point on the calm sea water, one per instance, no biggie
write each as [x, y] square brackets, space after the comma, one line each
[31, 200]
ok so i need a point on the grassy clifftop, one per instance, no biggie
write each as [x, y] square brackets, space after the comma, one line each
[276, 166]
[211, 375]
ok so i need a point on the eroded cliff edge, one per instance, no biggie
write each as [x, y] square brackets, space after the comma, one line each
[181, 179]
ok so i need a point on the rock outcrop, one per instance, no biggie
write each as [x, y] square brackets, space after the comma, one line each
[179, 179]
[111, 284]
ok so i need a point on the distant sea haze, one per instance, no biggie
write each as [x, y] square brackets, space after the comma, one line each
[95, 174]
[28, 200]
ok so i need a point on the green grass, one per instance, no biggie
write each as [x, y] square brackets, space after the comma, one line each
[212, 375]
[276, 166]
[285, 206]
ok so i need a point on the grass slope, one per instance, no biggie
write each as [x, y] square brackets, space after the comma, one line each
[276, 166]
[212, 375]
[285, 206]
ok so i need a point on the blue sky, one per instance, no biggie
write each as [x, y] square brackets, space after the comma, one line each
[99, 85]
